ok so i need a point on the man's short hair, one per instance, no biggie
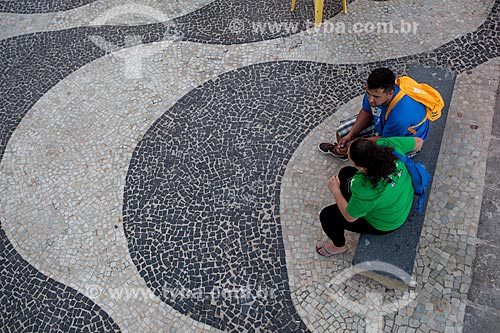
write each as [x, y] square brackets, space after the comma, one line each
[381, 78]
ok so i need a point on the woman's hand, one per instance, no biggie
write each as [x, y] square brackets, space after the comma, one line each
[334, 184]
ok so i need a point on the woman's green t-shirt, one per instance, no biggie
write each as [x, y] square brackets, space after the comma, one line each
[387, 205]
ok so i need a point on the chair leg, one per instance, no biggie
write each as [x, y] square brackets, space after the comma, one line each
[344, 6]
[293, 5]
[318, 12]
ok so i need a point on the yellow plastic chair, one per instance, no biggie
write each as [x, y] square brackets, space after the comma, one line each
[318, 10]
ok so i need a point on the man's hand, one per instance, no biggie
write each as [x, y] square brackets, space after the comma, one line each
[363, 120]
[344, 144]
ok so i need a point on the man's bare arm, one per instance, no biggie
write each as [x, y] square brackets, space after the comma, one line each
[362, 121]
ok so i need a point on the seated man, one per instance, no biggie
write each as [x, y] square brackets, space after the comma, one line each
[371, 121]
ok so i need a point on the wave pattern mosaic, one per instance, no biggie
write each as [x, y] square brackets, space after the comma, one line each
[201, 204]
[40, 6]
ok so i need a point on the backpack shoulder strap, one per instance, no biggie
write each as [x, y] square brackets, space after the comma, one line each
[393, 103]
[412, 130]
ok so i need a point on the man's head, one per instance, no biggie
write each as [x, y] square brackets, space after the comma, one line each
[380, 86]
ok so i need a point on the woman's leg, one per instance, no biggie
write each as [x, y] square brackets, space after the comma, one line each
[334, 224]
[362, 226]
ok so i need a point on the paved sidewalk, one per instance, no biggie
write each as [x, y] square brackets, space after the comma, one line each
[160, 171]
[483, 310]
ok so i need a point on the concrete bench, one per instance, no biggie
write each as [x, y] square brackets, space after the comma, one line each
[399, 248]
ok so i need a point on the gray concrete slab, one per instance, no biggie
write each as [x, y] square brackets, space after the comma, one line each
[493, 164]
[495, 130]
[485, 287]
[490, 213]
[480, 321]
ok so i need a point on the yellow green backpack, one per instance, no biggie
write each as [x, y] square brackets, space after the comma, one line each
[422, 93]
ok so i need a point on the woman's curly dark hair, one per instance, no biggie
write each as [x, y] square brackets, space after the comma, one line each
[378, 160]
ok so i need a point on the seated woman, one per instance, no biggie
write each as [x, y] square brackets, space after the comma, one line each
[373, 196]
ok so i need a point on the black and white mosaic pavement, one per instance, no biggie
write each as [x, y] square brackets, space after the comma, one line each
[235, 22]
[40, 6]
[220, 22]
[202, 196]
[32, 302]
